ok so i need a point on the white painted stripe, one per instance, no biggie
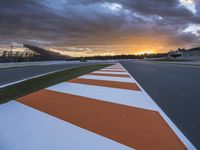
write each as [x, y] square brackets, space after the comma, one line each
[104, 72]
[25, 128]
[114, 95]
[112, 69]
[176, 130]
[108, 78]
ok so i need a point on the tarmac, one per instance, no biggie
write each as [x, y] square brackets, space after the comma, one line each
[105, 109]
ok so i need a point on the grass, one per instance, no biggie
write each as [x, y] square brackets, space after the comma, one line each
[32, 85]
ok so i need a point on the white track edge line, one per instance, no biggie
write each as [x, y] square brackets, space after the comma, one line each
[15, 82]
[12, 83]
[176, 130]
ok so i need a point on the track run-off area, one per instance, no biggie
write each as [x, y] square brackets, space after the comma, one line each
[105, 109]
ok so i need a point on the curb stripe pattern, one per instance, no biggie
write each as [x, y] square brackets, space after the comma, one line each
[110, 74]
[114, 121]
[104, 105]
[114, 84]
[105, 72]
[108, 78]
[25, 128]
[113, 70]
[114, 95]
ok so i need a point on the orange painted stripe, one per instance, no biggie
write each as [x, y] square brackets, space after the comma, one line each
[112, 75]
[114, 84]
[137, 128]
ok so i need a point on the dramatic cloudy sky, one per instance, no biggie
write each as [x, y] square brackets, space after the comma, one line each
[94, 27]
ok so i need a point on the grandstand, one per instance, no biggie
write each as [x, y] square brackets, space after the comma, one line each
[191, 54]
[45, 53]
[31, 53]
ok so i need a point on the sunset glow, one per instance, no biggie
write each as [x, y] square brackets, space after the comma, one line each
[145, 52]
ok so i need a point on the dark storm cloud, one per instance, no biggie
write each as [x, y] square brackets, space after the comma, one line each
[90, 22]
[197, 6]
[21, 19]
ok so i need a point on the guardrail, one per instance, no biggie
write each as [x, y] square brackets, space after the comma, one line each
[25, 64]
[42, 63]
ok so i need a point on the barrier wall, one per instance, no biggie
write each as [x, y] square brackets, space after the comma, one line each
[24, 64]
[41, 63]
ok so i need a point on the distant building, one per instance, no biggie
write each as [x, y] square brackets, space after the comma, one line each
[192, 54]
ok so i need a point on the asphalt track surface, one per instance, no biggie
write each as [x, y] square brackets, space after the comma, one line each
[176, 89]
[15, 74]
[115, 111]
